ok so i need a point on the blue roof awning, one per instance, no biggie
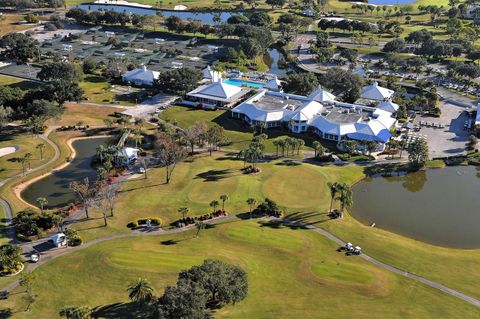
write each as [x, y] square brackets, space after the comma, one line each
[382, 136]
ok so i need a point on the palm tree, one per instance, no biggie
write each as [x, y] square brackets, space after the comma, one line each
[42, 201]
[199, 226]
[140, 291]
[40, 147]
[214, 204]
[276, 143]
[224, 198]
[28, 159]
[316, 145]
[300, 144]
[254, 153]
[76, 312]
[334, 189]
[243, 155]
[345, 198]
[101, 150]
[184, 211]
[251, 202]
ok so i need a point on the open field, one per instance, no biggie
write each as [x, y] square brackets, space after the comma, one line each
[15, 82]
[10, 24]
[191, 4]
[237, 131]
[292, 273]
[89, 114]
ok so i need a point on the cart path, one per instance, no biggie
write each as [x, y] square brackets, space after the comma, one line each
[10, 232]
[55, 253]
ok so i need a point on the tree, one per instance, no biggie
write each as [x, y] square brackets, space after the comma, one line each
[199, 225]
[214, 204]
[350, 146]
[396, 45]
[19, 47]
[40, 147]
[250, 46]
[345, 198]
[61, 72]
[301, 83]
[223, 198]
[184, 211]
[418, 153]
[28, 159]
[214, 137]
[26, 281]
[10, 258]
[195, 134]
[85, 193]
[276, 3]
[251, 202]
[260, 19]
[318, 148]
[334, 189]
[140, 291]
[345, 81]
[42, 201]
[6, 113]
[76, 312]
[183, 301]
[179, 81]
[224, 283]
[169, 153]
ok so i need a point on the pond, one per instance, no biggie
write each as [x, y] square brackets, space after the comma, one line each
[271, 59]
[54, 187]
[438, 206]
[205, 17]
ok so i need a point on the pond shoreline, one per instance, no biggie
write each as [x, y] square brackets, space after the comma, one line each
[18, 189]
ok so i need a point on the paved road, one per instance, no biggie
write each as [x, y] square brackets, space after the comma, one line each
[146, 108]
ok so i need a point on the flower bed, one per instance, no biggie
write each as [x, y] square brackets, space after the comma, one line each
[193, 220]
[141, 222]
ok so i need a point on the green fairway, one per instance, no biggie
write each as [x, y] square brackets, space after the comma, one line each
[238, 132]
[196, 183]
[25, 143]
[291, 274]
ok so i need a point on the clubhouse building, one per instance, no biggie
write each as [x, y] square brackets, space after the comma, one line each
[322, 114]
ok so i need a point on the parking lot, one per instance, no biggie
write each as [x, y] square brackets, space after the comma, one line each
[449, 140]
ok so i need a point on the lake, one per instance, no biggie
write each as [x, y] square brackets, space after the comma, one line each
[271, 59]
[438, 206]
[205, 17]
[54, 187]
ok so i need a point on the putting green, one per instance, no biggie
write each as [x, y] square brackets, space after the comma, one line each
[291, 273]
[296, 187]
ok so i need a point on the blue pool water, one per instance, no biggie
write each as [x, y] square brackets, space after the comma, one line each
[251, 84]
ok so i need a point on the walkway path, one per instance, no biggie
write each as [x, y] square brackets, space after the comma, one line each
[6, 206]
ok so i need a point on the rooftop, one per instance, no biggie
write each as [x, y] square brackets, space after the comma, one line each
[269, 102]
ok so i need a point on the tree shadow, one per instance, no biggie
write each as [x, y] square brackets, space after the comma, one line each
[5, 313]
[120, 311]
[214, 175]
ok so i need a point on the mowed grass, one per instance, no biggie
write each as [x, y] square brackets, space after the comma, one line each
[9, 24]
[191, 4]
[291, 274]
[25, 143]
[237, 131]
[15, 82]
[88, 114]
[196, 183]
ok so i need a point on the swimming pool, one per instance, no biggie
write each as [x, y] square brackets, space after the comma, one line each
[251, 84]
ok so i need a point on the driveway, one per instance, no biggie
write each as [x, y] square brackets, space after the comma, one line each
[147, 107]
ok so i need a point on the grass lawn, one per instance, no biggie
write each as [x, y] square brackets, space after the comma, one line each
[99, 90]
[10, 24]
[25, 143]
[15, 82]
[237, 131]
[191, 4]
[89, 114]
[291, 274]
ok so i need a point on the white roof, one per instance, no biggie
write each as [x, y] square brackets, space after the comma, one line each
[129, 152]
[210, 74]
[376, 92]
[388, 106]
[320, 95]
[360, 72]
[220, 90]
[273, 84]
[141, 75]
[58, 238]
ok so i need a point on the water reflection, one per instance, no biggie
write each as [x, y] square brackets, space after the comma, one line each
[439, 206]
[55, 186]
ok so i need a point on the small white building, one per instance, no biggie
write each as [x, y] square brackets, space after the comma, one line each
[110, 34]
[141, 76]
[215, 94]
[128, 154]
[58, 240]
[376, 92]
[67, 47]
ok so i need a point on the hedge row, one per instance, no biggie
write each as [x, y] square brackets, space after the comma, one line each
[143, 221]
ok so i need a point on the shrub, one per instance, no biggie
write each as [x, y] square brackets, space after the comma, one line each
[133, 224]
[143, 221]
